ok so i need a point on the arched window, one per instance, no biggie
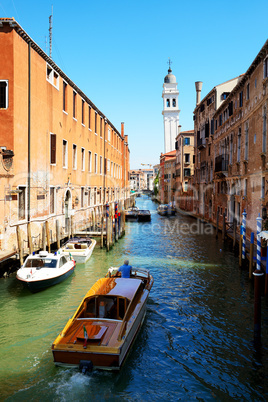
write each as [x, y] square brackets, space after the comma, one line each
[168, 102]
[174, 102]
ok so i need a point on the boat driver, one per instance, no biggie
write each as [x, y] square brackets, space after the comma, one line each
[125, 269]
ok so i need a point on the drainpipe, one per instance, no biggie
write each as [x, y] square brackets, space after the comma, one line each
[29, 134]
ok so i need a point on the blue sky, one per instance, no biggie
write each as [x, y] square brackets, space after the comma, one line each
[117, 53]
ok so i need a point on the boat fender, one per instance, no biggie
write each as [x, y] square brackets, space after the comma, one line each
[86, 366]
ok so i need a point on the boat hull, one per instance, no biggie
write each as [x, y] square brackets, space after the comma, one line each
[36, 286]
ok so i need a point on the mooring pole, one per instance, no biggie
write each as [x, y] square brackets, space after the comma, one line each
[240, 246]
[251, 251]
[258, 274]
[107, 227]
[244, 237]
[116, 221]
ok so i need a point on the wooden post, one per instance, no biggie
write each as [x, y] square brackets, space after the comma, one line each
[107, 228]
[223, 227]
[251, 250]
[234, 232]
[44, 236]
[72, 226]
[30, 241]
[20, 245]
[58, 233]
[217, 224]
[102, 229]
[258, 275]
[47, 234]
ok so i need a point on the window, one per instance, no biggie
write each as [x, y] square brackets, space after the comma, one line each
[22, 203]
[187, 172]
[3, 94]
[238, 144]
[89, 117]
[52, 198]
[95, 196]
[89, 161]
[174, 102]
[247, 92]
[96, 114]
[187, 158]
[262, 187]
[83, 159]
[100, 164]
[186, 141]
[168, 102]
[64, 106]
[101, 120]
[53, 149]
[264, 123]
[74, 104]
[74, 156]
[109, 134]
[64, 153]
[52, 77]
[245, 187]
[246, 142]
[83, 111]
[82, 197]
[96, 164]
[265, 68]
[241, 99]
[212, 127]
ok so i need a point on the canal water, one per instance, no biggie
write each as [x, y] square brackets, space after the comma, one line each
[196, 340]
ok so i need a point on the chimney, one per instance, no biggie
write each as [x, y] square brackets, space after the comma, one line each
[198, 87]
[122, 130]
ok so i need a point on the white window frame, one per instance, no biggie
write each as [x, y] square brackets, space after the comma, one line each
[83, 152]
[89, 161]
[96, 163]
[74, 156]
[53, 188]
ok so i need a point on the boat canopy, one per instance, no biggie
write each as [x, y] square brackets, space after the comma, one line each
[115, 287]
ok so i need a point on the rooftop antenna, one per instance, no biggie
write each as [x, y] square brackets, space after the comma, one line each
[50, 32]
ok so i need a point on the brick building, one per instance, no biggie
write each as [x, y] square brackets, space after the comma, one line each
[62, 158]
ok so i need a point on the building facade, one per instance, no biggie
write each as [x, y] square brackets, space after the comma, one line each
[62, 158]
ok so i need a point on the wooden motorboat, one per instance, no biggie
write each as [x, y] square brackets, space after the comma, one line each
[144, 215]
[44, 269]
[80, 248]
[105, 325]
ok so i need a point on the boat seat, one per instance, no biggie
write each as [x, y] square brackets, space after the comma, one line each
[70, 246]
[83, 245]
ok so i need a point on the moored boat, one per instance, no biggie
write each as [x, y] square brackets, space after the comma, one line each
[144, 215]
[80, 248]
[131, 214]
[106, 323]
[162, 209]
[44, 269]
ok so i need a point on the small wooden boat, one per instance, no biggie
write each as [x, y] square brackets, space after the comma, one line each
[105, 325]
[80, 248]
[144, 215]
[44, 269]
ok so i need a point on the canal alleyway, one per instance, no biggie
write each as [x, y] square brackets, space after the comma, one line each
[196, 341]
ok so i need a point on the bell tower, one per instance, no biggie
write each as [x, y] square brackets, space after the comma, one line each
[171, 110]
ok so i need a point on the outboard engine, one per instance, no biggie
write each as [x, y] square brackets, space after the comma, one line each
[85, 366]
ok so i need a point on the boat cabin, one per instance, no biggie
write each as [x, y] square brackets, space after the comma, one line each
[110, 298]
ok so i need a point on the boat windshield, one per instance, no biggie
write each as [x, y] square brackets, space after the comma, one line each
[41, 263]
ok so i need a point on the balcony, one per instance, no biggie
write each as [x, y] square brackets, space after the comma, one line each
[201, 143]
[221, 163]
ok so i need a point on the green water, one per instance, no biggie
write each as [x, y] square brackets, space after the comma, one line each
[196, 341]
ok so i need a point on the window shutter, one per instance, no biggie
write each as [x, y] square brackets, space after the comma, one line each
[52, 148]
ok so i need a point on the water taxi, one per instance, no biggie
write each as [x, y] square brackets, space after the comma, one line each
[80, 248]
[43, 269]
[106, 323]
